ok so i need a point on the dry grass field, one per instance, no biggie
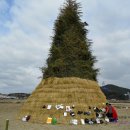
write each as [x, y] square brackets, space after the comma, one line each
[9, 110]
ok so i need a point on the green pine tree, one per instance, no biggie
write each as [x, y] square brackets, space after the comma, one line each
[70, 53]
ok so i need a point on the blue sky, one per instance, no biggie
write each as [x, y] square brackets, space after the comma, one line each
[25, 31]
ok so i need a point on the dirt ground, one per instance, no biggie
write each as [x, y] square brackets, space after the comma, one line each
[9, 110]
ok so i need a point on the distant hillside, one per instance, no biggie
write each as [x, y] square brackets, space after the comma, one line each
[19, 95]
[115, 92]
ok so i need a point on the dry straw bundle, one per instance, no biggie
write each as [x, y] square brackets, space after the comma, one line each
[67, 91]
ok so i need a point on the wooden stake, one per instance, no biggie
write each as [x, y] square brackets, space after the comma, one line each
[7, 124]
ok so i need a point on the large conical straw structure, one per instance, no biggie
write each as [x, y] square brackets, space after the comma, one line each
[68, 91]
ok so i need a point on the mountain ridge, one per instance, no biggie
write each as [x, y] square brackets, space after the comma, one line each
[115, 92]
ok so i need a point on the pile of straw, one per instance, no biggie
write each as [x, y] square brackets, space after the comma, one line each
[67, 91]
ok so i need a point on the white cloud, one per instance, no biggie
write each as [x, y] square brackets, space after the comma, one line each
[25, 46]
[113, 54]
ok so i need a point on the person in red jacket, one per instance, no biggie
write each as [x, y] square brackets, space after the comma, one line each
[114, 114]
[111, 113]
